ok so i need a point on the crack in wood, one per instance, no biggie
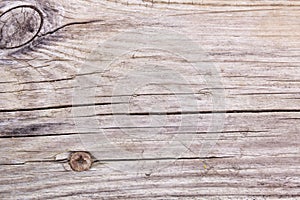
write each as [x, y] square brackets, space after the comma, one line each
[70, 24]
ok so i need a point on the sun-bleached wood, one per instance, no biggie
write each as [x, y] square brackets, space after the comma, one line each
[254, 45]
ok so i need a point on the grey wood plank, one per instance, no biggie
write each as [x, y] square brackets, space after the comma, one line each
[174, 99]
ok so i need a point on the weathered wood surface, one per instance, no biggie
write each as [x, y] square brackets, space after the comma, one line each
[165, 139]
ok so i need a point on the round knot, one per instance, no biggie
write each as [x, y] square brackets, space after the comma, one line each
[19, 26]
[80, 161]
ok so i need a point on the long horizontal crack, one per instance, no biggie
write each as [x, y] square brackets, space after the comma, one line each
[54, 107]
[208, 112]
[35, 161]
[151, 113]
[124, 160]
[117, 128]
[165, 158]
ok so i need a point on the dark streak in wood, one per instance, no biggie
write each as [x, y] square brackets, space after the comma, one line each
[32, 129]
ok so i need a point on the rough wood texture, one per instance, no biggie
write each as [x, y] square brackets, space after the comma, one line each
[121, 79]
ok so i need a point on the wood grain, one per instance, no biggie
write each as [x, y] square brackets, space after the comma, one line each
[120, 79]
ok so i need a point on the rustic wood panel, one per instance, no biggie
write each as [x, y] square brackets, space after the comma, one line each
[174, 99]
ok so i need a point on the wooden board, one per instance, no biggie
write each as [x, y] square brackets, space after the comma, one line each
[174, 99]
